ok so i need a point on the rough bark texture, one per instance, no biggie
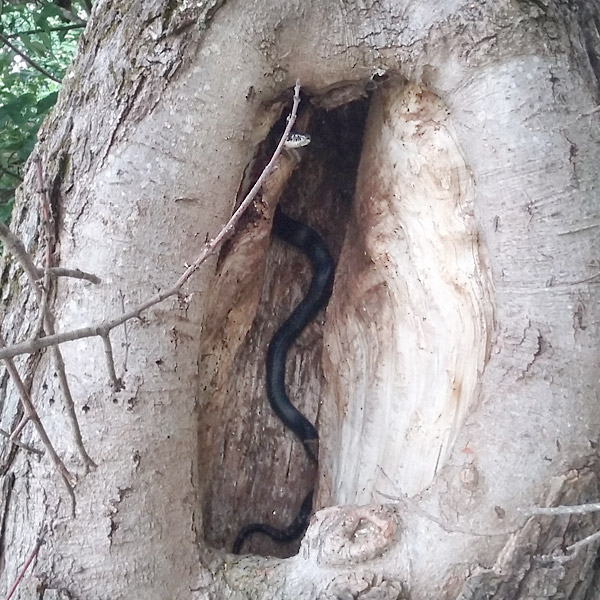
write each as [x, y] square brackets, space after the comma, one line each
[460, 349]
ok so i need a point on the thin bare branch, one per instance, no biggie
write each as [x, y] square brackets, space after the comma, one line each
[589, 113]
[15, 246]
[60, 338]
[576, 509]
[16, 432]
[35, 419]
[110, 362]
[73, 273]
[34, 31]
[586, 280]
[125, 333]
[21, 444]
[570, 552]
[412, 505]
[48, 217]
[70, 406]
[228, 229]
[102, 328]
[28, 562]
[574, 549]
[28, 60]
[42, 294]
[48, 320]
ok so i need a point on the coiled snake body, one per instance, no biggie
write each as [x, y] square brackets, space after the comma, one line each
[310, 242]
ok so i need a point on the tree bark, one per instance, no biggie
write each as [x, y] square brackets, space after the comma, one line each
[454, 375]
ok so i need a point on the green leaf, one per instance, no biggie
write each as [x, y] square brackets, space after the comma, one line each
[48, 11]
[19, 103]
[16, 112]
[6, 210]
[32, 45]
[27, 145]
[6, 59]
[46, 103]
[26, 95]
[10, 8]
[46, 41]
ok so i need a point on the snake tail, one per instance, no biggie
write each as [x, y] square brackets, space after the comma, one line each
[296, 528]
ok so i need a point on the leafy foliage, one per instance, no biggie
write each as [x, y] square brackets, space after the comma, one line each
[38, 40]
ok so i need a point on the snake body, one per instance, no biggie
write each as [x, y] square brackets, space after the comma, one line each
[307, 240]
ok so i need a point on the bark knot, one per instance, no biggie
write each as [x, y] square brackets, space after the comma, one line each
[339, 536]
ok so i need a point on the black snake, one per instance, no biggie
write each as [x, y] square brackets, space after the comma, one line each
[310, 242]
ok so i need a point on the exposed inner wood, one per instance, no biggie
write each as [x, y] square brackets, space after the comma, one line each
[410, 320]
[257, 471]
[407, 331]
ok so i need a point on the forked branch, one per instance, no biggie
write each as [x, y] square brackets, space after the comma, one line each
[102, 328]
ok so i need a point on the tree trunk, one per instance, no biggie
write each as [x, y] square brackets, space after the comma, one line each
[454, 375]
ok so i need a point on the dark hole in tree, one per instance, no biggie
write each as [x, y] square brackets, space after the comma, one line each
[276, 474]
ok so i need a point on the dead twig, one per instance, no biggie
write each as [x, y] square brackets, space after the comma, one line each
[21, 444]
[570, 552]
[576, 509]
[413, 506]
[229, 227]
[32, 415]
[101, 329]
[110, 362]
[15, 246]
[589, 113]
[125, 334]
[16, 432]
[28, 60]
[59, 364]
[28, 562]
[48, 320]
[73, 273]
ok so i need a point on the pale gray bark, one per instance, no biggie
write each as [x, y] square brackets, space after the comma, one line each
[458, 359]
